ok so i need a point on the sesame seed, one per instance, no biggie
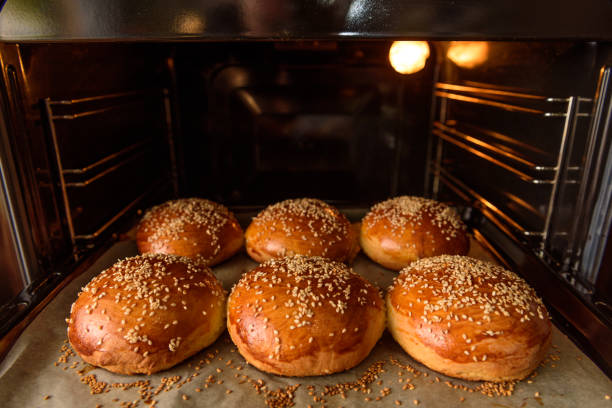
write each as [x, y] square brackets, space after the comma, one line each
[307, 286]
[322, 223]
[167, 223]
[404, 213]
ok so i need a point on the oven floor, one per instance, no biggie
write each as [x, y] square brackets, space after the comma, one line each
[39, 371]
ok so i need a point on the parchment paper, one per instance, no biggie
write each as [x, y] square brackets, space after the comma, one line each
[32, 376]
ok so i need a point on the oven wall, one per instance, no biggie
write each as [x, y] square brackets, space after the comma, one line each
[264, 122]
[85, 138]
[512, 120]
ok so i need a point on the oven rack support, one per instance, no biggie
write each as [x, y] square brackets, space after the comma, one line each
[497, 216]
[487, 151]
[552, 172]
[111, 162]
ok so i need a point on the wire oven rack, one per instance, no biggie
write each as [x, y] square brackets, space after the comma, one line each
[507, 154]
[75, 178]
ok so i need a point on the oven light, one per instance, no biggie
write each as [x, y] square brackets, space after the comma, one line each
[189, 23]
[408, 57]
[468, 54]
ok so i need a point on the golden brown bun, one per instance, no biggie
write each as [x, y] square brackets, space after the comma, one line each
[304, 226]
[302, 316]
[468, 318]
[192, 227]
[147, 313]
[403, 229]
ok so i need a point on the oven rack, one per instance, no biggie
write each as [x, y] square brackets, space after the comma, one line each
[511, 161]
[500, 218]
[546, 106]
[551, 170]
[70, 179]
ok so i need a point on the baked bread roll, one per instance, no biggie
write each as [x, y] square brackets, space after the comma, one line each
[192, 227]
[304, 316]
[304, 226]
[403, 229]
[147, 313]
[468, 319]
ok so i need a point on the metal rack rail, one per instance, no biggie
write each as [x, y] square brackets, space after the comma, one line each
[502, 153]
[83, 176]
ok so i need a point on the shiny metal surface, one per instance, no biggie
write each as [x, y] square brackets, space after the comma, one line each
[565, 145]
[11, 267]
[16, 259]
[74, 20]
[587, 260]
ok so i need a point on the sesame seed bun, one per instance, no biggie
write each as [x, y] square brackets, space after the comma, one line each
[401, 230]
[192, 227]
[468, 319]
[147, 313]
[304, 316]
[304, 226]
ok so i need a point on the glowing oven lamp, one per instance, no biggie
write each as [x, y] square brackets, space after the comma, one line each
[468, 54]
[408, 57]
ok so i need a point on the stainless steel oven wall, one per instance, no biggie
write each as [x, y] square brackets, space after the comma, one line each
[15, 267]
[90, 129]
[222, 20]
[590, 262]
[11, 267]
[512, 129]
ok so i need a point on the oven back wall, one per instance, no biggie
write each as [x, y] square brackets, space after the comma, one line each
[268, 121]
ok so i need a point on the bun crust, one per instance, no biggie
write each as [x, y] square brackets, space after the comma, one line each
[468, 319]
[403, 229]
[192, 227]
[304, 226]
[147, 313]
[304, 316]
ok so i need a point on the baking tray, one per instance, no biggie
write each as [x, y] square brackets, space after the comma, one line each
[42, 371]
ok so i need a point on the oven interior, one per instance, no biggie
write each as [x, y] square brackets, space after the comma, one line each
[514, 134]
